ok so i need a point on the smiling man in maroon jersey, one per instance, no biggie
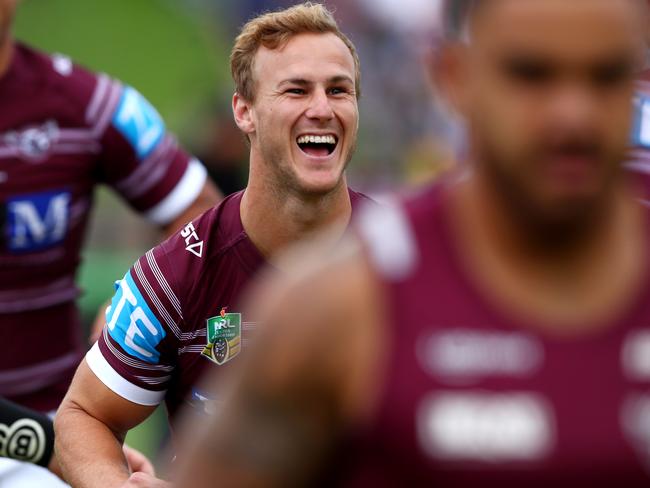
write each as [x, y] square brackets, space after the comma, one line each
[176, 313]
[490, 331]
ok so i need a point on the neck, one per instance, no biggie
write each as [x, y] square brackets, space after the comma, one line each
[275, 219]
[586, 280]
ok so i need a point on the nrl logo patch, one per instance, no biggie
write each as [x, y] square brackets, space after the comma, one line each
[223, 337]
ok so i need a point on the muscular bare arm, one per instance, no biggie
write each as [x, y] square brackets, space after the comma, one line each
[90, 427]
[308, 376]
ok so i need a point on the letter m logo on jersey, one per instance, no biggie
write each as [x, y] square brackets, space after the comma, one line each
[37, 221]
[138, 122]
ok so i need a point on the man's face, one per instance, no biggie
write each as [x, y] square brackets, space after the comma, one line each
[548, 99]
[305, 112]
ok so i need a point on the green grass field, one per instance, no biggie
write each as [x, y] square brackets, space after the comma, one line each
[172, 57]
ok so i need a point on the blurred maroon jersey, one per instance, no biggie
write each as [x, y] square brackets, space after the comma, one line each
[63, 130]
[475, 397]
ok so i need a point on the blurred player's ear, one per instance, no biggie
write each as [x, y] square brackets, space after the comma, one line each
[448, 72]
[241, 109]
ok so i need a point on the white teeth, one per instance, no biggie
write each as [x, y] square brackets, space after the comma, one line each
[329, 139]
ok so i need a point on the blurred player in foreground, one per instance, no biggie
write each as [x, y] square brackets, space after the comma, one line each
[491, 331]
[63, 131]
[176, 313]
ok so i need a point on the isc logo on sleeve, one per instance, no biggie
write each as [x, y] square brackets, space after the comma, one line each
[138, 122]
[132, 324]
[37, 221]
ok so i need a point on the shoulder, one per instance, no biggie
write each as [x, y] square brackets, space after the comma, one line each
[188, 247]
[359, 199]
[57, 73]
[391, 230]
[188, 251]
[414, 201]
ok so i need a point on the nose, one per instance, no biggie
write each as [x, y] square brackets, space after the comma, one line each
[574, 108]
[319, 106]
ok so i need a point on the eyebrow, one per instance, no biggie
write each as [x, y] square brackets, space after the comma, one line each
[620, 59]
[304, 82]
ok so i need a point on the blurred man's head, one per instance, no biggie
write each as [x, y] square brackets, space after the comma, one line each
[297, 84]
[546, 87]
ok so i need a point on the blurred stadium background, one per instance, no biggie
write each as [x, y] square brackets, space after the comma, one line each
[176, 53]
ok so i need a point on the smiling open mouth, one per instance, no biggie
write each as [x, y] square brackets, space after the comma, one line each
[318, 146]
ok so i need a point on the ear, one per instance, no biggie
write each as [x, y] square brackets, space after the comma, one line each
[449, 72]
[242, 111]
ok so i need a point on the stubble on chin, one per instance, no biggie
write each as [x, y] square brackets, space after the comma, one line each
[547, 225]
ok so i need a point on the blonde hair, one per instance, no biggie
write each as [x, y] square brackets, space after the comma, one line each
[273, 30]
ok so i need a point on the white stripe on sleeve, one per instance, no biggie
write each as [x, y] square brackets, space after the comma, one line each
[182, 196]
[113, 380]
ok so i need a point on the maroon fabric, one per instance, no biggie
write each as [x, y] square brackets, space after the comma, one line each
[183, 290]
[449, 344]
[56, 136]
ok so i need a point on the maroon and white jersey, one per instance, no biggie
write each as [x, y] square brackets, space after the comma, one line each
[175, 312]
[63, 130]
[475, 397]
